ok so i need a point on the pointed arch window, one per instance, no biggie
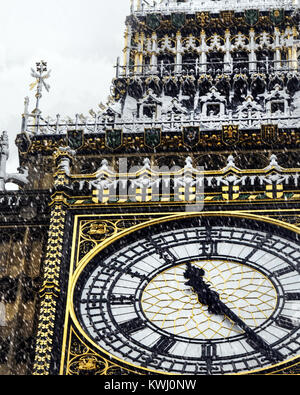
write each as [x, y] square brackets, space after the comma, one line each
[265, 59]
[166, 63]
[215, 61]
[190, 61]
[277, 106]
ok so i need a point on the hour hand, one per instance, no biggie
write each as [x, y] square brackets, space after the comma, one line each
[254, 339]
[206, 296]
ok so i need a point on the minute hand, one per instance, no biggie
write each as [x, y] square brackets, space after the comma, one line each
[256, 340]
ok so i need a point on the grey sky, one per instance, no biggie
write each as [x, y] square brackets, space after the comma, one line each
[80, 40]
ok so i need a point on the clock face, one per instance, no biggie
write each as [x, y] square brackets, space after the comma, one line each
[135, 302]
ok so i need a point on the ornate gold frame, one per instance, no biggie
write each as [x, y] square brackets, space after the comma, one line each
[71, 324]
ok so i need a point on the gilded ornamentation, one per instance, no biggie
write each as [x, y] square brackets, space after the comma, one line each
[50, 291]
[277, 16]
[226, 18]
[85, 362]
[153, 21]
[75, 139]
[249, 138]
[269, 133]
[203, 18]
[114, 138]
[191, 136]
[251, 17]
[231, 134]
[94, 232]
[63, 158]
[178, 20]
[152, 137]
[289, 219]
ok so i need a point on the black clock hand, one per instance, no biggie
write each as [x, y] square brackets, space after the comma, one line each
[257, 341]
[212, 299]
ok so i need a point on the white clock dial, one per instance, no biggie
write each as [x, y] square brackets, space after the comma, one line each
[169, 304]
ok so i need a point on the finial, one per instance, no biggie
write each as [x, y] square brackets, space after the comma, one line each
[104, 165]
[147, 163]
[40, 74]
[273, 161]
[230, 161]
[189, 162]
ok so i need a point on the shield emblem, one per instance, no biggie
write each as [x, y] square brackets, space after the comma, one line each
[277, 17]
[153, 21]
[178, 20]
[152, 137]
[269, 133]
[203, 18]
[227, 18]
[114, 138]
[98, 229]
[230, 134]
[251, 17]
[191, 135]
[75, 139]
[231, 192]
[274, 191]
[23, 143]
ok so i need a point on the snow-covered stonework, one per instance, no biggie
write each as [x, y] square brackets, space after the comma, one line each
[197, 63]
[165, 6]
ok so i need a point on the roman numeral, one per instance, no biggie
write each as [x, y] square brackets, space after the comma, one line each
[132, 326]
[94, 301]
[161, 250]
[250, 255]
[163, 345]
[209, 351]
[292, 296]
[286, 323]
[121, 269]
[282, 272]
[121, 300]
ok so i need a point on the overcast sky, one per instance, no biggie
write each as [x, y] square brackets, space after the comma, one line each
[80, 40]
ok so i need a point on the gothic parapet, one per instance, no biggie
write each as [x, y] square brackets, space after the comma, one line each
[202, 66]
[188, 184]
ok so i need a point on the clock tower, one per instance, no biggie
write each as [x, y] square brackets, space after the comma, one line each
[173, 210]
